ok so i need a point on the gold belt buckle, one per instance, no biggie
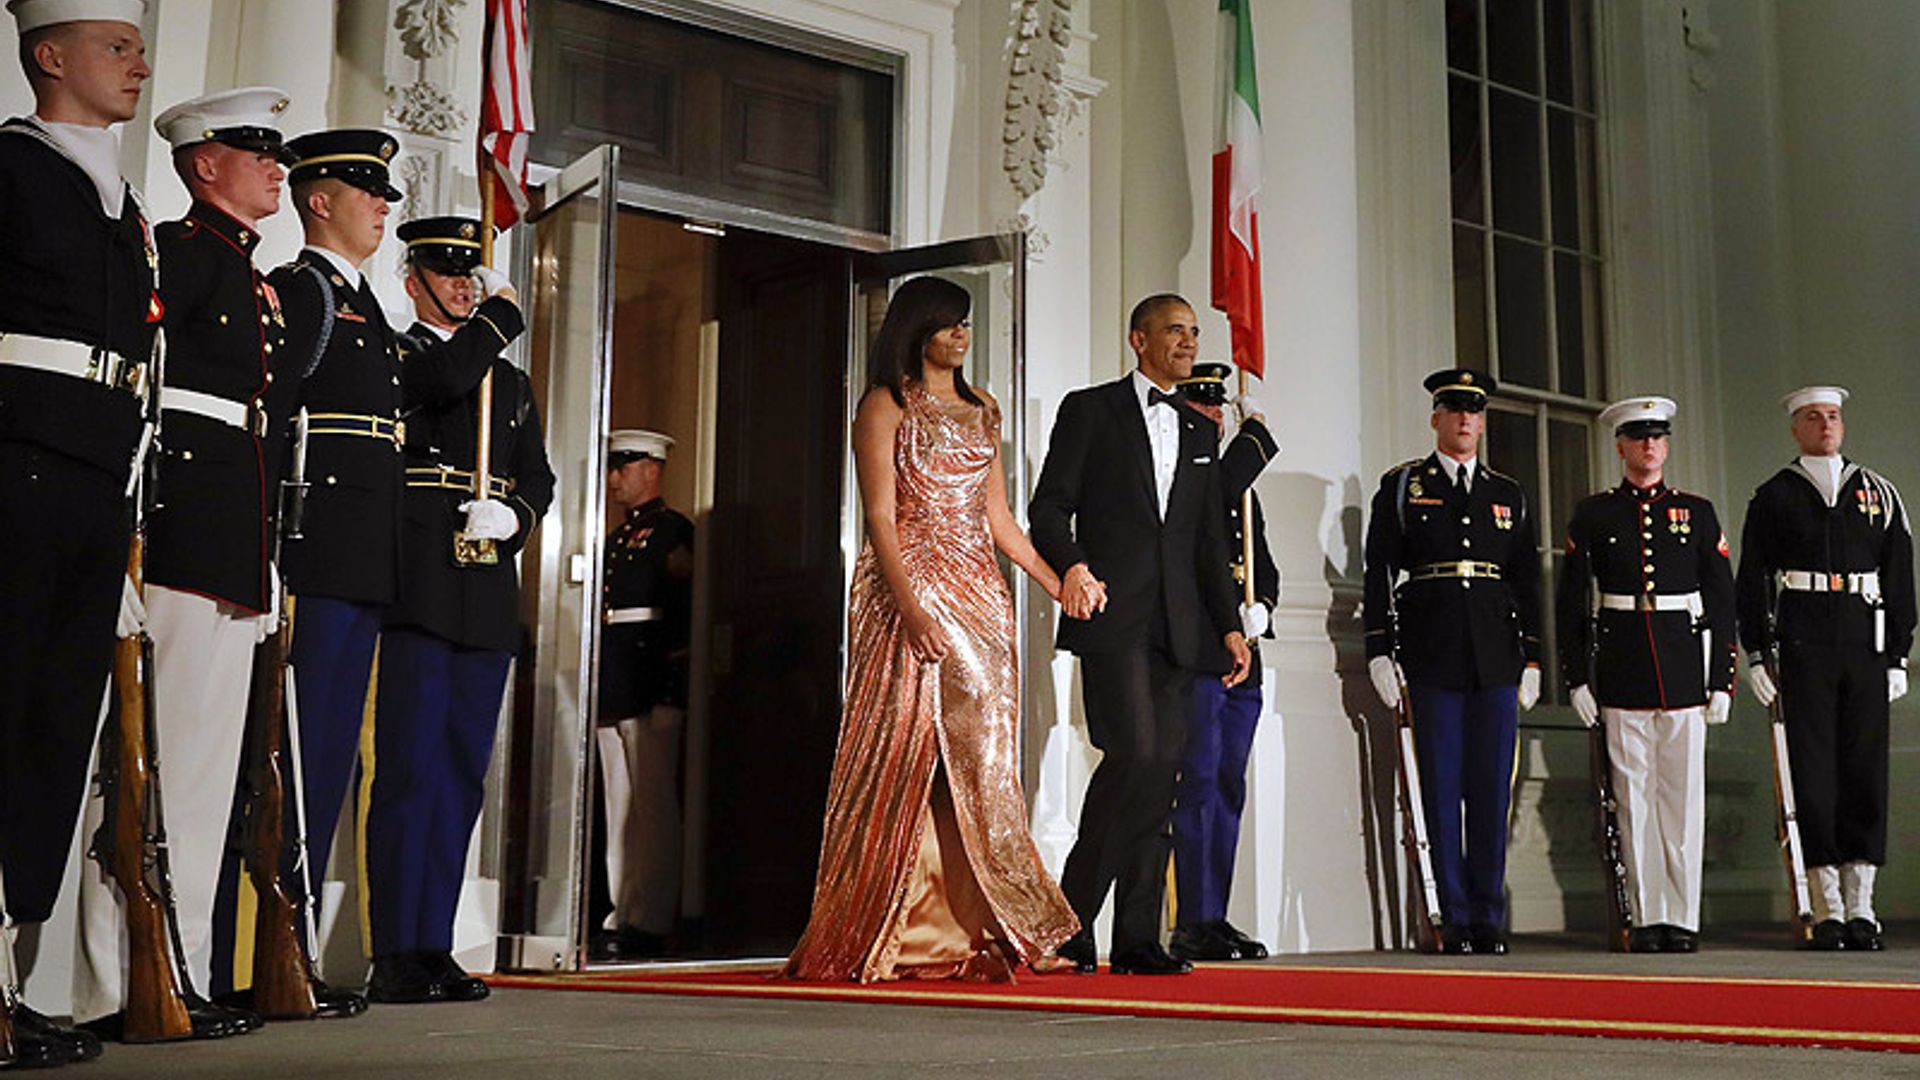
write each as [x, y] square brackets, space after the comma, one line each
[1836, 583]
[1644, 603]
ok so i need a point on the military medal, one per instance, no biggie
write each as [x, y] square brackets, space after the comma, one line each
[1502, 516]
[1869, 501]
[1677, 520]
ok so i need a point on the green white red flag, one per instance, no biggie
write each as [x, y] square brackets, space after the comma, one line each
[1236, 183]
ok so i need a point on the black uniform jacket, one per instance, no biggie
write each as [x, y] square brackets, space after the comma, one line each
[350, 544]
[649, 564]
[1241, 462]
[225, 335]
[1632, 541]
[1095, 503]
[474, 606]
[1450, 632]
[67, 271]
[1790, 527]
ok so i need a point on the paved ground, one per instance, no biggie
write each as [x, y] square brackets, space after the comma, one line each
[552, 1035]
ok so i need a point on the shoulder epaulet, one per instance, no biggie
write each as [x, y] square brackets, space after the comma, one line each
[1498, 475]
[1404, 466]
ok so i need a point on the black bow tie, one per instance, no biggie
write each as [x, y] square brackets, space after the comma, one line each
[1157, 396]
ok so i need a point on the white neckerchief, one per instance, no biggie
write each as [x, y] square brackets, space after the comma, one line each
[1826, 474]
[1163, 436]
[340, 263]
[97, 149]
[1453, 468]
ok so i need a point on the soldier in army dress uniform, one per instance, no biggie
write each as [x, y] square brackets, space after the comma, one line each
[1826, 579]
[1212, 790]
[210, 593]
[1453, 614]
[647, 599]
[77, 319]
[1646, 629]
[449, 638]
[352, 389]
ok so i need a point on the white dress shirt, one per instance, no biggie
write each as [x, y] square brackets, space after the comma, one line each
[340, 263]
[1453, 468]
[1163, 436]
[1826, 474]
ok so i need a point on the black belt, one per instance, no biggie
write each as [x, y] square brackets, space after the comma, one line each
[437, 476]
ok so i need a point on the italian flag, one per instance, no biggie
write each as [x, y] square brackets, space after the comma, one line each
[1236, 181]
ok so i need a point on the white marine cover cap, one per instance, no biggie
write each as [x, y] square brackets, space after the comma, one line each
[203, 118]
[640, 442]
[1814, 395]
[31, 15]
[1642, 414]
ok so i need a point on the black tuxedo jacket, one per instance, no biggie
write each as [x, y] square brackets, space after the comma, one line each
[1095, 503]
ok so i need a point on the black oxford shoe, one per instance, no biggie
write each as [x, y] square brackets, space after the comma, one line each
[1829, 935]
[1078, 949]
[1489, 941]
[1680, 940]
[1645, 939]
[1455, 941]
[36, 1036]
[402, 979]
[1244, 947]
[1200, 943]
[1864, 935]
[455, 984]
[1149, 959]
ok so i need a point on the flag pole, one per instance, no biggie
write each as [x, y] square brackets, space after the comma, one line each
[469, 551]
[1246, 516]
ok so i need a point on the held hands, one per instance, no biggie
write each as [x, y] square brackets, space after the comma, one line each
[1387, 679]
[1242, 659]
[1762, 684]
[1896, 683]
[1081, 594]
[489, 519]
[1719, 703]
[133, 612]
[1254, 619]
[1529, 687]
[925, 638]
[1584, 705]
[495, 283]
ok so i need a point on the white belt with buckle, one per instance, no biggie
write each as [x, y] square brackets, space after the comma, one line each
[1865, 582]
[210, 406]
[1690, 603]
[70, 358]
[616, 616]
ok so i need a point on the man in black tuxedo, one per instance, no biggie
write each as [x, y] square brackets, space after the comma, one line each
[1128, 510]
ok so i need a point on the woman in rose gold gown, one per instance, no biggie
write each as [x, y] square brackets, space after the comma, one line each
[927, 869]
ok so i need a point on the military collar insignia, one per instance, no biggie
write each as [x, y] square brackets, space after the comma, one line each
[225, 225]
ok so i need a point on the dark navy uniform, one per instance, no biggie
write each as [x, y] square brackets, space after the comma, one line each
[80, 293]
[1832, 587]
[649, 565]
[1453, 593]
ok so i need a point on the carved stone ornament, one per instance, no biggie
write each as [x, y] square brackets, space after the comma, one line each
[417, 182]
[1042, 33]
[425, 108]
[428, 28]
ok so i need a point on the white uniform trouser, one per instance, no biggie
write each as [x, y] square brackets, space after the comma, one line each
[639, 771]
[203, 664]
[1660, 785]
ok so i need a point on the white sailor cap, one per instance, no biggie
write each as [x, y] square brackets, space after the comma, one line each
[31, 15]
[1813, 395]
[248, 118]
[1635, 417]
[629, 444]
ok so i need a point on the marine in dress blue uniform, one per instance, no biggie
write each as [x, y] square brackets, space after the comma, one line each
[449, 637]
[347, 375]
[1826, 578]
[1645, 615]
[1212, 791]
[77, 320]
[1453, 602]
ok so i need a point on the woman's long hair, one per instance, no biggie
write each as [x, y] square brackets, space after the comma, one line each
[920, 309]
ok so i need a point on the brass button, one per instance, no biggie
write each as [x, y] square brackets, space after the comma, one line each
[1465, 543]
[1648, 568]
[1464, 520]
[223, 319]
[1648, 587]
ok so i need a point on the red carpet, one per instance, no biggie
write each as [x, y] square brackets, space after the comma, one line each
[1856, 1015]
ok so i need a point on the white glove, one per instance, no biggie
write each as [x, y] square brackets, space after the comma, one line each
[1529, 687]
[493, 282]
[1386, 680]
[1248, 407]
[1584, 705]
[133, 612]
[489, 519]
[1254, 620]
[267, 623]
[1762, 684]
[1718, 704]
[1896, 683]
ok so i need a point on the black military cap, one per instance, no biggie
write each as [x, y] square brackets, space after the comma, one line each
[1208, 383]
[358, 156]
[444, 245]
[1460, 389]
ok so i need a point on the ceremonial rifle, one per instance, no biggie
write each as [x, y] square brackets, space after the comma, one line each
[282, 971]
[1607, 834]
[1792, 855]
[1413, 807]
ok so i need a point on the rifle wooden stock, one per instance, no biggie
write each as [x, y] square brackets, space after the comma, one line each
[1414, 832]
[7, 1051]
[1788, 823]
[1613, 863]
[282, 973]
[155, 1010]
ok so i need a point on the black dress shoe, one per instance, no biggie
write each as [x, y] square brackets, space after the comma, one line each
[1079, 949]
[209, 1021]
[403, 979]
[1489, 941]
[1645, 939]
[1864, 935]
[1244, 947]
[1149, 959]
[333, 1003]
[239, 1018]
[1680, 940]
[1455, 941]
[1200, 943]
[454, 982]
[1829, 935]
[57, 1044]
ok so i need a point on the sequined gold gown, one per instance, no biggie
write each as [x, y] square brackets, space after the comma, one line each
[927, 869]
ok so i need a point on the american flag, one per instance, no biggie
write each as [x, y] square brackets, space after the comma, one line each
[506, 111]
